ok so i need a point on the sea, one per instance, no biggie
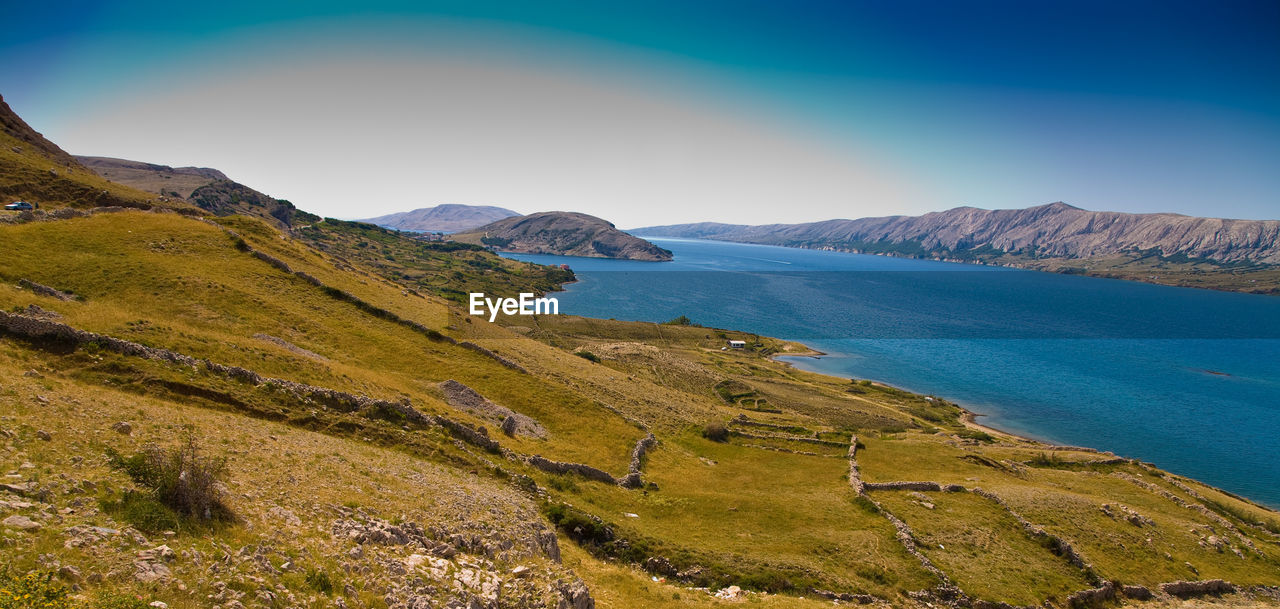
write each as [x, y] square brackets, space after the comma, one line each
[1184, 378]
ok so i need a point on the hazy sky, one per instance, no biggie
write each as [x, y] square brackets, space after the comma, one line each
[662, 111]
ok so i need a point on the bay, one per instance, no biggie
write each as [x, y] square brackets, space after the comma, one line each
[1187, 379]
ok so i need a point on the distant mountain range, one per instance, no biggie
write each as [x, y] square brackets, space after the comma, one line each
[565, 234]
[1056, 230]
[447, 218]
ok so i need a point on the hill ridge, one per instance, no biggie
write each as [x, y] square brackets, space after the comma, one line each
[566, 234]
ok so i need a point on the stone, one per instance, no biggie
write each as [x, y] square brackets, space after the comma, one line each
[22, 523]
[147, 572]
[69, 573]
[123, 428]
[162, 553]
[43, 435]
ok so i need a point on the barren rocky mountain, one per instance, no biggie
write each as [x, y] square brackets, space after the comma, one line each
[151, 177]
[206, 188]
[447, 218]
[1054, 230]
[566, 234]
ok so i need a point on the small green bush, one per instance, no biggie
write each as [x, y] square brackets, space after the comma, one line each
[584, 354]
[320, 581]
[974, 434]
[1047, 460]
[681, 321]
[716, 432]
[143, 512]
[180, 478]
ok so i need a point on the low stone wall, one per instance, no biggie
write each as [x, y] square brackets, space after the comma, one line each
[45, 290]
[789, 438]
[1183, 589]
[855, 478]
[901, 486]
[477, 436]
[498, 358]
[633, 478]
[908, 541]
[1065, 549]
[45, 329]
[1092, 597]
[1141, 593]
[560, 467]
[1210, 514]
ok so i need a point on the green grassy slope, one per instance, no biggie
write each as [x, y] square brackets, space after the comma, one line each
[771, 508]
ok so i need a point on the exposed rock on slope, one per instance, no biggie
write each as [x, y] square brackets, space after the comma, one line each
[565, 234]
[209, 189]
[160, 179]
[1055, 230]
[448, 218]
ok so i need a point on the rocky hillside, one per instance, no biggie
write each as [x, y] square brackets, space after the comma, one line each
[1054, 230]
[206, 188]
[36, 170]
[565, 234]
[160, 179]
[213, 411]
[447, 218]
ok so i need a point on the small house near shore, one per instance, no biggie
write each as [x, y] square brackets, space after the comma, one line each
[737, 344]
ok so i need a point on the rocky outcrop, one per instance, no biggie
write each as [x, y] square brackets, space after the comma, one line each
[467, 399]
[1054, 230]
[564, 234]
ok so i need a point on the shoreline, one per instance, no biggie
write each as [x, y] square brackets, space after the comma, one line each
[968, 417]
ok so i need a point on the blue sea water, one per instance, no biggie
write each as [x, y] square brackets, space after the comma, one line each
[1187, 379]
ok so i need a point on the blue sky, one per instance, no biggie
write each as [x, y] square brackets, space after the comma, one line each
[663, 112]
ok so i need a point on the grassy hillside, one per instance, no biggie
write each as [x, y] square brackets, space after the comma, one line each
[373, 487]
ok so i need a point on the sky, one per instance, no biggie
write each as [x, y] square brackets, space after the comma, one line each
[663, 112]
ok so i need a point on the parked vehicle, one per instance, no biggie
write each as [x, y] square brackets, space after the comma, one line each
[19, 206]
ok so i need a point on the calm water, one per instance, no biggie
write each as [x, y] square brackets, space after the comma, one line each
[1187, 379]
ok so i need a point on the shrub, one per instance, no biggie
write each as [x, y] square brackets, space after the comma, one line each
[680, 321]
[320, 581]
[35, 589]
[143, 512]
[584, 354]
[974, 434]
[180, 478]
[716, 432]
[1047, 460]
